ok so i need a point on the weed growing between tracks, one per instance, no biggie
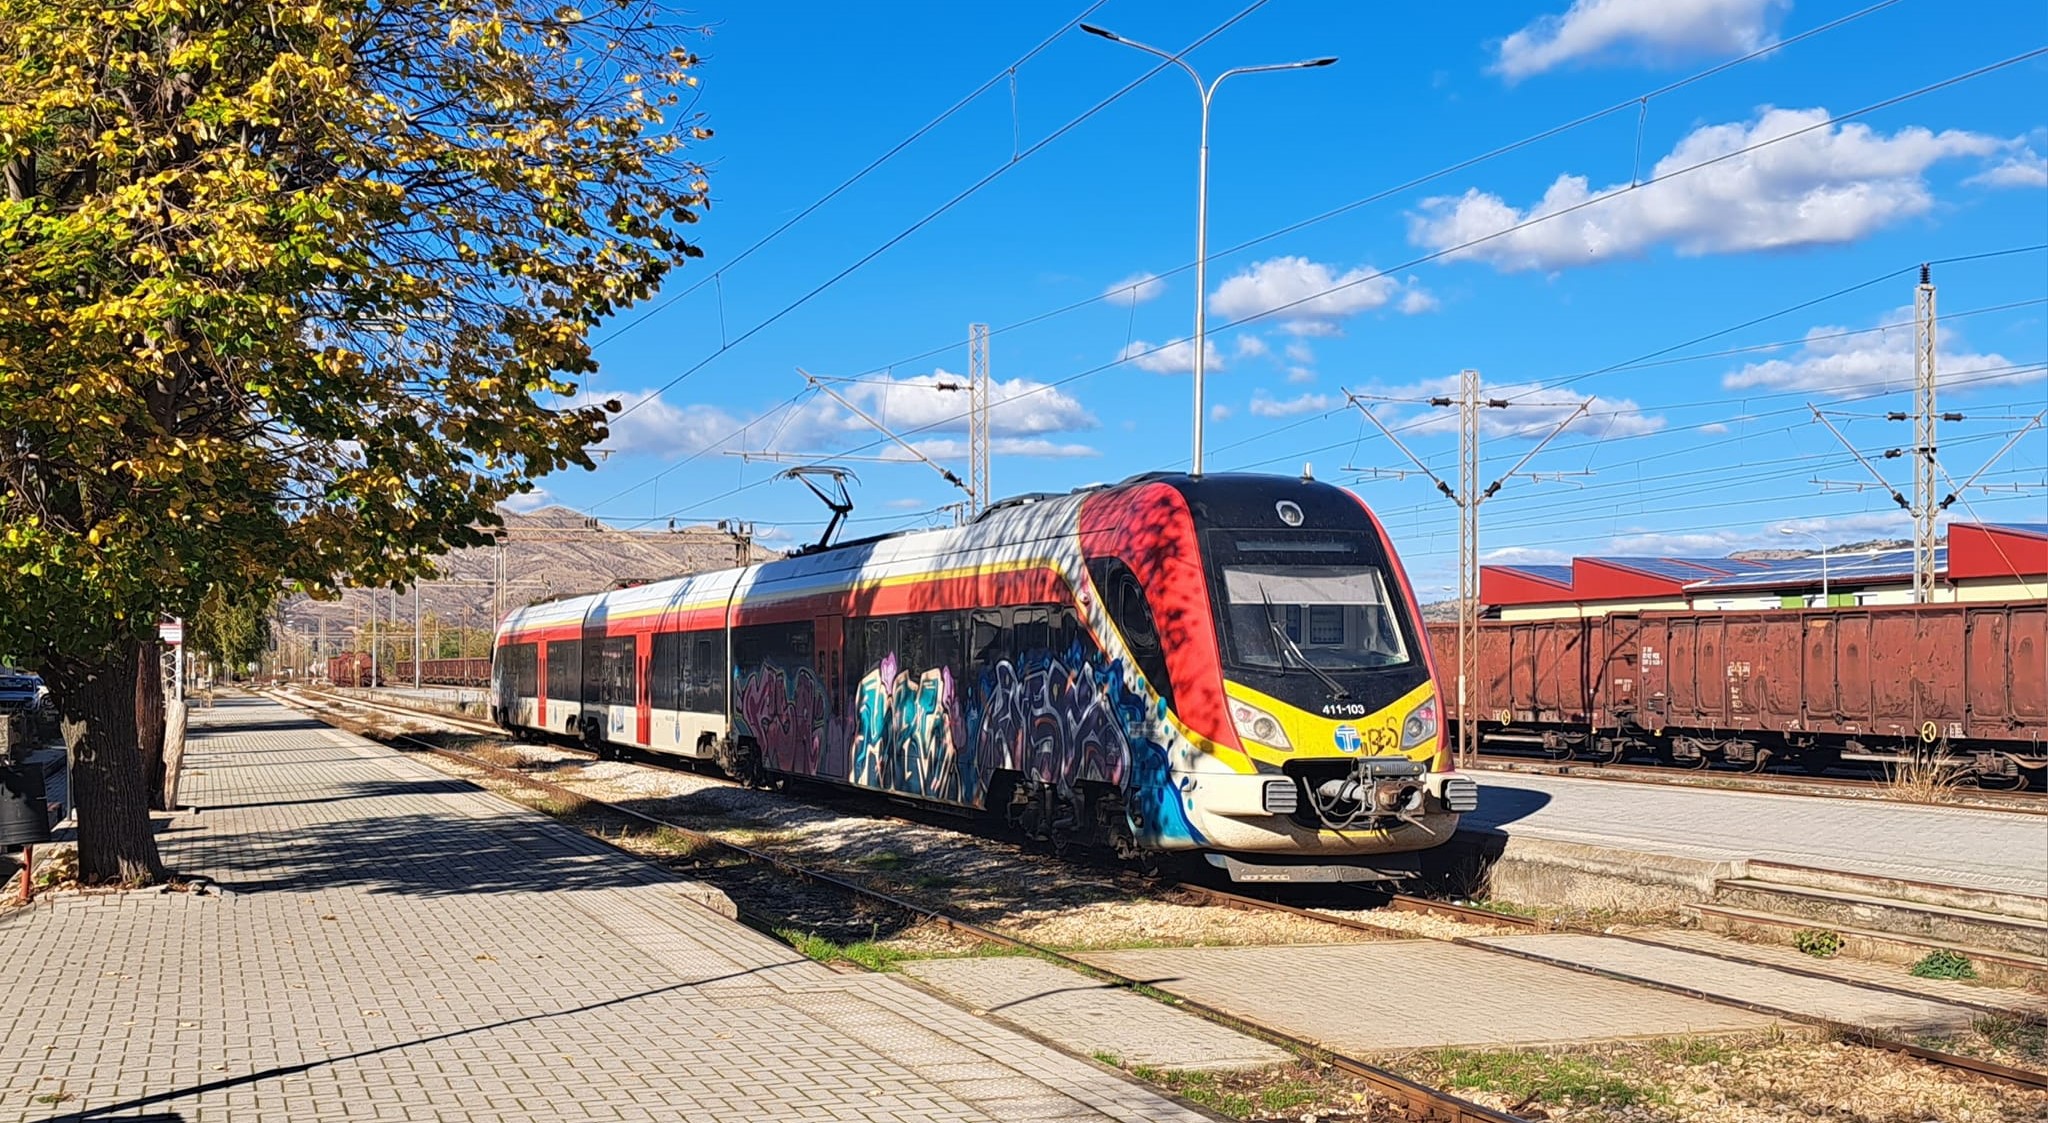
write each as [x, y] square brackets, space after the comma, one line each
[1745, 1078]
[1286, 1093]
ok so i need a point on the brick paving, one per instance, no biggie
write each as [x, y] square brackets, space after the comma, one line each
[1407, 994]
[2002, 851]
[1849, 970]
[1777, 990]
[1090, 1017]
[387, 942]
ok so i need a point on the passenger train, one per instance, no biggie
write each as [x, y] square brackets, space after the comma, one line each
[1230, 665]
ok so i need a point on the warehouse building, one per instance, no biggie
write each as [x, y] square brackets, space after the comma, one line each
[1981, 562]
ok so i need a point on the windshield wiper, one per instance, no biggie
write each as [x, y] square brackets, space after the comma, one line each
[1287, 644]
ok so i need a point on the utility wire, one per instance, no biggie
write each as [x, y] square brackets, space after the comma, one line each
[1007, 72]
[1532, 221]
[934, 215]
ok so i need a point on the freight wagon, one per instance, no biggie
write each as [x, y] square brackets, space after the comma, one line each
[1807, 686]
[353, 669]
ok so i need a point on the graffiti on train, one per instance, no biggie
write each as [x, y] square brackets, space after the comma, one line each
[785, 714]
[1054, 722]
[904, 732]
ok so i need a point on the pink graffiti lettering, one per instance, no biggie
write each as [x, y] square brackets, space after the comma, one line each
[784, 717]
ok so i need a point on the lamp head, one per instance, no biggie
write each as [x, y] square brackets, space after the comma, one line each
[1103, 32]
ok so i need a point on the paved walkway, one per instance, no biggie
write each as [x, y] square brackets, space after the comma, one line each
[1994, 850]
[1410, 994]
[1091, 1017]
[391, 943]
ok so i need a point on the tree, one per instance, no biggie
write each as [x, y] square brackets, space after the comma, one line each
[291, 295]
[232, 625]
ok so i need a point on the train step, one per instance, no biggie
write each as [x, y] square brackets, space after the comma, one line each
[1993, 965]
[2005, 930]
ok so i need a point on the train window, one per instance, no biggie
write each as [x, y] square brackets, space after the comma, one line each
[913, 645]
[872, 645]
[985, 636]
[565, 670]
[788, 646]
[523, 660]
[706, 693]
[1030, 630]
[949, 642]
[1124, 599]
[667, 667]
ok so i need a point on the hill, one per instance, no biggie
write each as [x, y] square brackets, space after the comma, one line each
[549, 553]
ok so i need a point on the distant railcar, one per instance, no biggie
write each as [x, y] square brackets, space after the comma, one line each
[1746, 687]
[1231, 665]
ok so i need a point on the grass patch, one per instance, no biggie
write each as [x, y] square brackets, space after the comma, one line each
[1818, 942]
[866, 953]
[1554, 1078]
[2013, 1033]
[882, 860]
[1106, 1057]
[561, 806]
[1505, 908]
[673, 842]
[1693, 1051]
[1198, 1087]
[1944, 964]
[1931, 777]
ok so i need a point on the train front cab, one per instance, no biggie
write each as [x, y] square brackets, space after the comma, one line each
[1296, 669]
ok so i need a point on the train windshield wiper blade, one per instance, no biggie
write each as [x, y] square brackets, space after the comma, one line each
[1287, 644]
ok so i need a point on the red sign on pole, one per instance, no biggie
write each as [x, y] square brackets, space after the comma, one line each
[171, 632]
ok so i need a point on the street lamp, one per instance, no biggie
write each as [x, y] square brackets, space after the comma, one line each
[1824, 601]
[1207, 92]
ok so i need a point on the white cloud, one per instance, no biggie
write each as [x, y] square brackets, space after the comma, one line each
[2022, 169]
[1714, 427]
[1300, 375]
[1654, 30]
[528, 502]
[1834, 184]
[956, 449]
[1309, 297]
[1264, 406]
[1299, 352]
[1831, 362]
[658, 428]
[1250, 346]
[1021, 413]
[1832, 530]
[1177, 357]
[1525, 555]
[1136, 289]
[1417, 301]
[906, 504]
[1534, 410]
[1219, 413]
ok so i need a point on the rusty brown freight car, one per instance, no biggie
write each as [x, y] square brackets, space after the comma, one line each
[1748, 687]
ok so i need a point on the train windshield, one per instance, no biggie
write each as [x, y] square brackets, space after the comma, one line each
[1326, 617]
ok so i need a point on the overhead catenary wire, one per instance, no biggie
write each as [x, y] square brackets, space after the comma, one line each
[1418, 181]
[1531, 221]
[933, 215]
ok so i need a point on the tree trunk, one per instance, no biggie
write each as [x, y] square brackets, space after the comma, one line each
[149, 721]
[97, 700]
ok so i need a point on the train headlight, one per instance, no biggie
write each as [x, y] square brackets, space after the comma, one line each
[1255, 724]
[1420, 725]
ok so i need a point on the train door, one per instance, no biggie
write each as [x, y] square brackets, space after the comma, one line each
[831, 647]
[541, 693]
[643, 654]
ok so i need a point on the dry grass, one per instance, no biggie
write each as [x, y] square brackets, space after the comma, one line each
[1927, 777]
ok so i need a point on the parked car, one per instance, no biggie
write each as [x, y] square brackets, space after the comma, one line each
[20, 690]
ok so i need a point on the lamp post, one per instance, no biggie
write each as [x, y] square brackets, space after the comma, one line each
[1208, 93]
[1824, 601]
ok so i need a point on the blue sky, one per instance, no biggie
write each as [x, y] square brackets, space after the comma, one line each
[1707, 449]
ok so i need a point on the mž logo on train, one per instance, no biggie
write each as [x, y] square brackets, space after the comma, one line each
[1232, 666]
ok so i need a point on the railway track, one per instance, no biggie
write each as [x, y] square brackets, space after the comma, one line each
[1414, 1097]
[2031, 803]
[1417, 1101]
